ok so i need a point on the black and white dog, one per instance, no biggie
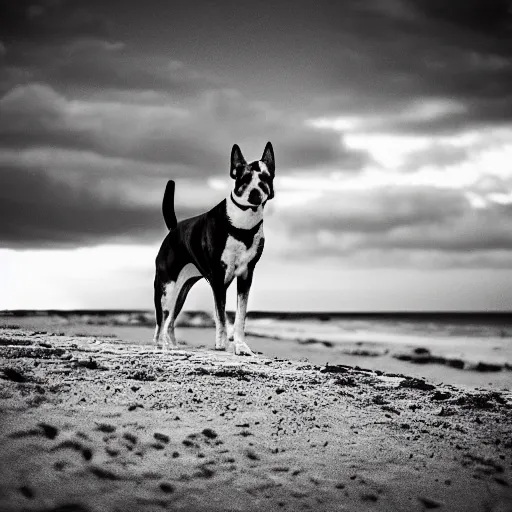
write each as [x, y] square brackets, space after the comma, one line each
[219, 245]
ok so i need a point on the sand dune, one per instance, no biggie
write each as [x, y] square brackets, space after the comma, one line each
[95, 424]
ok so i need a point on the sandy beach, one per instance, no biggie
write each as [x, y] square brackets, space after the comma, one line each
[92, 423]
[468, 359]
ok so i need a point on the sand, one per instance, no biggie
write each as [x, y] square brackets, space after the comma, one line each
[100, 424]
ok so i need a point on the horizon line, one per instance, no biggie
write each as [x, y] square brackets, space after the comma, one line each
[260, 311]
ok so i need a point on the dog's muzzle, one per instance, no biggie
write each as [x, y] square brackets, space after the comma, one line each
[255, 197]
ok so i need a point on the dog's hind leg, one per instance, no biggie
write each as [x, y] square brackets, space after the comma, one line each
[158, 309]
[173, 298]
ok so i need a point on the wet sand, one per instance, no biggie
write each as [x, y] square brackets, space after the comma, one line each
[90, 423]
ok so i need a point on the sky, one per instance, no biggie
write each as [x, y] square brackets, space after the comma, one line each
[391, 122]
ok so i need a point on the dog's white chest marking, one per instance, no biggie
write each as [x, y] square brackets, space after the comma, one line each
[237, 256]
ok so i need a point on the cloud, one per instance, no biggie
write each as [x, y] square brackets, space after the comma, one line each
[491, 16]
[376, 210]
[197, 137]
[37, 211]
[35, 115]
[392, 56]
[99, 65]
[97, 116]
[96, 168]
[395, 226]
[68, 45]
[48, 20]
[473, 230]
[297, 144]
[40, 211]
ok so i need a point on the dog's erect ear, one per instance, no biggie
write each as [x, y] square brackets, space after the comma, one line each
[237, 159]
[268, 158]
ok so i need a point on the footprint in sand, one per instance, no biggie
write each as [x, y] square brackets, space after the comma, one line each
[251, 454]
[27, 492]
[161, 437]
[76, 446]
[113, 452]
[104, 474]
[132, 438]
[43, 429]
[106, 428]
[166, 487]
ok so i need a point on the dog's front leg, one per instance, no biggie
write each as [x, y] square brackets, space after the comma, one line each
[243, 285]
[221, 334]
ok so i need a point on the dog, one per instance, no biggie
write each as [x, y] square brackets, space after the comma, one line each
[219, 245]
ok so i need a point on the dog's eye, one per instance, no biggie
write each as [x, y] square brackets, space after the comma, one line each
[245, 177]
[264, 187]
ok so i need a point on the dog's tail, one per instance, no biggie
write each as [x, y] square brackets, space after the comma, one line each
[168, 206]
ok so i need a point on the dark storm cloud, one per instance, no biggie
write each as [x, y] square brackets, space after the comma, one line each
[359, 56]
[48, 21]
[377, 210]
[168, 88]
[391, 54]
[198, 138]
[39, 211]
[430, 225]
[34, 115]
[94, 65]
[483, 230]
[186, 143]
[489, 16]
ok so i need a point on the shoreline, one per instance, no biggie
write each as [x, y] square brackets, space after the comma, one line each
[102, 424]
[470, 363]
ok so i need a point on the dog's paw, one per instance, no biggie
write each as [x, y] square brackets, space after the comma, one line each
[165, 348]
[166, 343]
[220, 345]
[242, 349]
[221, 342]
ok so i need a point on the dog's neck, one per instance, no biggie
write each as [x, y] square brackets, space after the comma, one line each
[243, 216]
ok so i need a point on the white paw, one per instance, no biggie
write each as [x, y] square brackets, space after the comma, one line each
[167, 343]
[242, 349]
[220, 343]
